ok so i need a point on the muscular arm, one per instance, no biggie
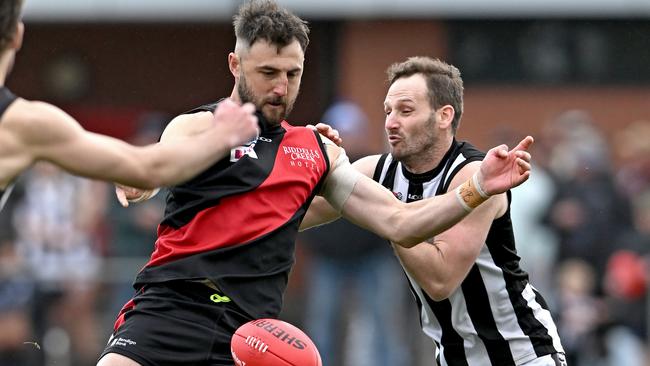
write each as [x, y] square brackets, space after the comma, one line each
[50, 134]
[320, 212]
[441, 266]
[371, 206]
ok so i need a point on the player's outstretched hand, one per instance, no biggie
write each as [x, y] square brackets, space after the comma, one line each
[502, 169]
[327, 131]
[235, 121]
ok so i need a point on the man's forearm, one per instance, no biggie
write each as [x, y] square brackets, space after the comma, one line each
[373, 207]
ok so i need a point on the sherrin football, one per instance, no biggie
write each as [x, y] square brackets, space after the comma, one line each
[272, 342]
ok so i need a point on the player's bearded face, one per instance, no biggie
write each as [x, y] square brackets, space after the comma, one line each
[417, 138]
[275, 108]
[269, 77]
[411, 122]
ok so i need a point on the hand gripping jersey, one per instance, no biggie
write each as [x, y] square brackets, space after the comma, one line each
[6, 98]
[495, 317]
[235, 224]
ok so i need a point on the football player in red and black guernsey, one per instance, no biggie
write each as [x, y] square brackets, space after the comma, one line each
[225, 247]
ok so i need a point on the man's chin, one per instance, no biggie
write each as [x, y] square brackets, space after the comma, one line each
[396, 153]
[274, 115]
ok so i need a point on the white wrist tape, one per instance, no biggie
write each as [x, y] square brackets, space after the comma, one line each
[340, 182]
[478, 186]
[145, 195]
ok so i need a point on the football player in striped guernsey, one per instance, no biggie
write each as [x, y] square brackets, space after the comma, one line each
[474, 300]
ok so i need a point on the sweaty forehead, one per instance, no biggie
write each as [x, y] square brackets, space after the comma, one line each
[411, 89]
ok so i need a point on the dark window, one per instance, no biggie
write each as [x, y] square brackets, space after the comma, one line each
[551, 52]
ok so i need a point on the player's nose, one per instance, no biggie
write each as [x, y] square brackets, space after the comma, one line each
[281, 86]
[392, 122]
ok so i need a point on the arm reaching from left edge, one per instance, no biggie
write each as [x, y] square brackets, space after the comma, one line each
[227, 127]
[369, 205]
[50, 134]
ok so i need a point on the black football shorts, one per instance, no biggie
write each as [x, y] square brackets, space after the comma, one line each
[177, 323]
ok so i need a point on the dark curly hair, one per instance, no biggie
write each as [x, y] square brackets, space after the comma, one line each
[265, 19]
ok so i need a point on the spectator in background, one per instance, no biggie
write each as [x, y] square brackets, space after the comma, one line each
[16, 295]
[593, 218]
[627, 284]
[632, 144]
[580, 310]
[588, 211]
[56, 236]
[348, 262]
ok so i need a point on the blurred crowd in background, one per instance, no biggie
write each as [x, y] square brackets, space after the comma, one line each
[69, 251]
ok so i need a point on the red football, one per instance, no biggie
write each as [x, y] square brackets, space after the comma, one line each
[272, 342]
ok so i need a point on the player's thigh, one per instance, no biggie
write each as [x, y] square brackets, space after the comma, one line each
[171, 324]
[114, 359]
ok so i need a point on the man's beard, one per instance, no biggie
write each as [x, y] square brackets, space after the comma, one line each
[246, 96]
[418, 145]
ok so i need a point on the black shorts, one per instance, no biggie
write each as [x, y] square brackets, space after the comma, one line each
[177, 323]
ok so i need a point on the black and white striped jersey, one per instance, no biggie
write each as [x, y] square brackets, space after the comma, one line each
[495, 317]
[6, 98]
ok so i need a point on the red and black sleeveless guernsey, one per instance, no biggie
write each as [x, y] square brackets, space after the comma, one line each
[236, 223]
[6, 98]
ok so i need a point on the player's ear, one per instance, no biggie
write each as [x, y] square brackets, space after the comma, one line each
[445, 116]
[17, 40]
[234, 64]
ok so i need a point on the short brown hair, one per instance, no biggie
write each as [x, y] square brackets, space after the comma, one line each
[265, 19]
[9, 17]
[444, 84]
